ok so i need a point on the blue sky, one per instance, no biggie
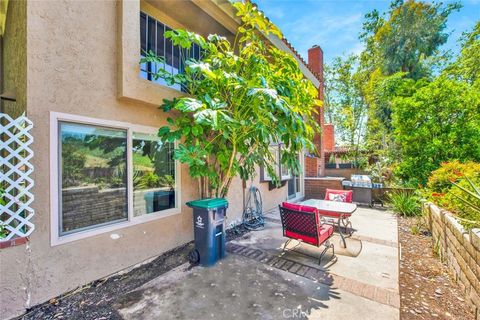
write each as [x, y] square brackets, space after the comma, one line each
[335, 24]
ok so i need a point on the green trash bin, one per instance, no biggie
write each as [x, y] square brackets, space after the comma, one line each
[209, 230]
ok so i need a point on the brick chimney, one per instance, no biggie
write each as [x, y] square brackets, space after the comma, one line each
[328, 137]
[315, 61]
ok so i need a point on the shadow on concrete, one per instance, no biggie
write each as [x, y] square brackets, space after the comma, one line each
[235, 288]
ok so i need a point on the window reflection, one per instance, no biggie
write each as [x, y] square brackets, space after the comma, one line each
[153, 174]
[93, 176]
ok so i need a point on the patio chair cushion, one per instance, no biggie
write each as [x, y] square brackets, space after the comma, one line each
[339, 195]
[325, 231]
[311, 240]
[297, 207]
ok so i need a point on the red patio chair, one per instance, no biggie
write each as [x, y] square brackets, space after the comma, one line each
[339, 195]
[302, 223]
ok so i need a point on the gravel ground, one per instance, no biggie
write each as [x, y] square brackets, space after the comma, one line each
[427, 290]
[95, 300]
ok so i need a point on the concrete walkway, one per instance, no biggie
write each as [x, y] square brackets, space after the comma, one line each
[258, 281]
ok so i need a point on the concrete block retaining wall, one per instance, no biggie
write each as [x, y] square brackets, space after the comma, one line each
[460, 249]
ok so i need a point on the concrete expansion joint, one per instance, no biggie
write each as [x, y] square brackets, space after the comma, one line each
[365, 290]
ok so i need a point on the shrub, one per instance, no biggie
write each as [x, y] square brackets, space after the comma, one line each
[440, 180]
[147, 180]
[446, 188]
[464, 200]
[405, 203]
[3, 230]
[437, 123]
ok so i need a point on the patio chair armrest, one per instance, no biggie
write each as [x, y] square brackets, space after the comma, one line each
[322, 219]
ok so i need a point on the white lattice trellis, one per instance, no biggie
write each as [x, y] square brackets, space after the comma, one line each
[15, 156]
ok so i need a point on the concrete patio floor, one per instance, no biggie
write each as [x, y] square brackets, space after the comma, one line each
[258, 281]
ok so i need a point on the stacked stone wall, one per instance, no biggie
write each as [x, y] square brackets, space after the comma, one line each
[459, 249]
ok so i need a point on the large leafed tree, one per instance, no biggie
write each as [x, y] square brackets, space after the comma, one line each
[242, 96]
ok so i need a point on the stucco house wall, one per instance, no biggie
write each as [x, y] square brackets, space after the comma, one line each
[76, 64]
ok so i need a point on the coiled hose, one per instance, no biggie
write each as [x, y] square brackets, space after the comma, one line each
[252, 215]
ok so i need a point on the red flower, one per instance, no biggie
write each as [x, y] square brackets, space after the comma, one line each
[457, 173]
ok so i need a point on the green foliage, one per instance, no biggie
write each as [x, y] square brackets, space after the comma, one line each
[467, 66]
[381, 170]
[242, 96]
[465, 201]
[147, 180]
[73, 161]
[403, 39]
[167, 181]
[440, 180]
[2, 200]
[3, 230]
[440, 121]
[454, 186]
[418, 114]
[405, 203]
[379, 91]
[347, 109]
[331, 159]
[402, 43]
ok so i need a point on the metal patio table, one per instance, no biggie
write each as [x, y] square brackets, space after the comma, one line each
[336, 211]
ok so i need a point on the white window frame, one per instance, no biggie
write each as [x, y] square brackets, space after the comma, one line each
[55, 237]
[300, 194]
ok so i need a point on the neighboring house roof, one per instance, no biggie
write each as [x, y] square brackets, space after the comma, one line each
[338, 150]
[318, 76]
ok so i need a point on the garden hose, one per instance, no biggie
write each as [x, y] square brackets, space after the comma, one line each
[252, 215]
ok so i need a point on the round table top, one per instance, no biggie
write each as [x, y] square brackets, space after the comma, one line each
[333, 206]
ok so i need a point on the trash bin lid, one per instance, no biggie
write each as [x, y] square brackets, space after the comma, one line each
[210, 203]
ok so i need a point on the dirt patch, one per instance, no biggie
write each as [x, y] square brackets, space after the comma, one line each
[95, 300]
[427, 290]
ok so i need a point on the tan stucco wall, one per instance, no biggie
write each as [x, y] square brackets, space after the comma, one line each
[14, 68]
[235, 197]
[73, 68]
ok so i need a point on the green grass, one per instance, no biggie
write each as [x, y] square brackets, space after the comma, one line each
[142, 162]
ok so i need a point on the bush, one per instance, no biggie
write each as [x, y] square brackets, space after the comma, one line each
[405, 203]
[441, 190]
[440, 180]
[147, 180]
[437, 123]
[464, 204]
